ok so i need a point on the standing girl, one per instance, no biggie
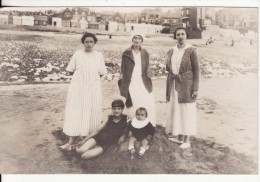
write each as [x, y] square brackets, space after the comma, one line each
[136, 85]
[182, 89]
[83, 107]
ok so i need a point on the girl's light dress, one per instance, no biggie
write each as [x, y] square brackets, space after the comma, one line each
[182, 117]
[139, 94]
[84, 106]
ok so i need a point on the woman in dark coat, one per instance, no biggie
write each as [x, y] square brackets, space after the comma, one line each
[182, 90]
[136, 85]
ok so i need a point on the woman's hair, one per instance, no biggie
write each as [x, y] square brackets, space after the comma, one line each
[140, 109]
[88, 35]
[180, 28]
[118, 103]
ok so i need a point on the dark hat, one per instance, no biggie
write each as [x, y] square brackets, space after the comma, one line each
[118, 103]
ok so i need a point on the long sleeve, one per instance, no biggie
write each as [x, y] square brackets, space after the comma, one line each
[148, 71]
[122, 67]
[102, 69]
[168, 63]
[72, 64]
[195, 70]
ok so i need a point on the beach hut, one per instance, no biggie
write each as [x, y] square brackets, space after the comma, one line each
[112, 26]
[146, 28]
[83, 24]
[56, 22]
[3, 19]
[74, 23]
[102, 26]
[93, 25]
[66, 23]
[17, 20]
[121, 27]
[28, 20]
[41, 20]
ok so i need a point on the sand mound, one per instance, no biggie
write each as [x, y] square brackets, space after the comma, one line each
[165, 157]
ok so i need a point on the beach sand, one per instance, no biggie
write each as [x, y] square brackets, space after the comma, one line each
[227, 141]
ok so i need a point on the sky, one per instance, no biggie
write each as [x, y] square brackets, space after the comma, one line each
[97, 9]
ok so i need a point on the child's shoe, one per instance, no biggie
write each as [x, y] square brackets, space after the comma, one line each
[132, 152]
[185, 145]
[66, 147]
[142, 151]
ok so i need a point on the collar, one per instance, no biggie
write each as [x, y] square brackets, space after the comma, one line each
[186, 46]
[139, 124]
[128, 51]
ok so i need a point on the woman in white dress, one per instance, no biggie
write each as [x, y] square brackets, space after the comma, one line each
[136, 85]
[182, 90]
[84, 107]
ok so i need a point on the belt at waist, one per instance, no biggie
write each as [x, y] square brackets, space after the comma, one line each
[178, 79]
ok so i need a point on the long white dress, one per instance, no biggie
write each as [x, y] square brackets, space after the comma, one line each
[182, 117]
[139, 94]
[84, 107]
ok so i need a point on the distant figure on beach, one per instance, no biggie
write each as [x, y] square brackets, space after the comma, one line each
[109, 132]
[182, 90]
[232, 42]
[209, 41]
[140, 129]
[84, 103]
[110, 36]
[136, 85]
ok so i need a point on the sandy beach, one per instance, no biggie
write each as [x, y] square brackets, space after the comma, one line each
[30, 113]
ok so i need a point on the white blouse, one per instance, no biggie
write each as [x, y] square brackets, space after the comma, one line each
[177, 57]
[137, 72]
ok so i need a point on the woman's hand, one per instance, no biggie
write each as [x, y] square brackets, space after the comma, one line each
[194, 94]
[69, 73]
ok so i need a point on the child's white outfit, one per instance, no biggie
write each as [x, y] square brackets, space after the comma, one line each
[140, 130]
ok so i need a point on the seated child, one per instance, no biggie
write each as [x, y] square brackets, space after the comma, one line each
[140, 129]
[108, 133]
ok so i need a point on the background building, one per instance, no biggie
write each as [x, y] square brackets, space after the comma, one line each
[17, 20]
[146, 28]
[40, 19]
[56, 22]
[28, 20]
[3, 19]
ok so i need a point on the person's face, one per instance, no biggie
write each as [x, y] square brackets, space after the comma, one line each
[181, 36]
[141, 115]
[117, 111]
[137, 40]
[89, 43]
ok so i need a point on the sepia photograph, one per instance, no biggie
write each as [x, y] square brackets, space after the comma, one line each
[129, 90]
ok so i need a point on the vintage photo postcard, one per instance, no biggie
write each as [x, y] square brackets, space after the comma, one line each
[123, 88]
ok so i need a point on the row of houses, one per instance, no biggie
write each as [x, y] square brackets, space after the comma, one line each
[23, 20]
[77, 14]
[195, 19]
[66, 19]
